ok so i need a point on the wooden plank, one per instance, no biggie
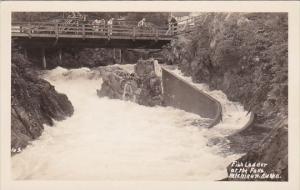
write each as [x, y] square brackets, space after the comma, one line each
[60, 56]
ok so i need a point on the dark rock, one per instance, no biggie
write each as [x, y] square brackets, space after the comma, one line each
[272, 150]
[144, 68]
[34, 103]
[142, 87]
[114, 81]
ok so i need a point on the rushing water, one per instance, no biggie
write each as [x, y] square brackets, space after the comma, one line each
[109, 139]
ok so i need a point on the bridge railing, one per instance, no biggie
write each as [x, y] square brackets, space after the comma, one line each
[42, 29]
[191, 24]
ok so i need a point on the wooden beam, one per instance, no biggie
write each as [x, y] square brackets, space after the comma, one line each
[44, 59]
[120, 56]
[83, 31]
[114, 53]
[56, 30]
[60, 56]
[25, 53]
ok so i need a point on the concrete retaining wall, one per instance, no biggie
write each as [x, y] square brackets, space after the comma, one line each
[248, 124]
[180, 94]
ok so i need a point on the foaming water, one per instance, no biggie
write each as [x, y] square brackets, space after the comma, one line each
[109, 139]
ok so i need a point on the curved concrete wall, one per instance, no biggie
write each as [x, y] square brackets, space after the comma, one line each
[248, 124]
[180, 94]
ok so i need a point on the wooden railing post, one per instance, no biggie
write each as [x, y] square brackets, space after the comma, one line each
[109, 31]
[77, 27]
[83, 31]
[25, 53]
[29, 31]
[44, 58]
[120, 61]
[56, 30]
[134, 32]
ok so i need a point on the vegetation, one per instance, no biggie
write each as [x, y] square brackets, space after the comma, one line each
[158, 18]
[246, 56]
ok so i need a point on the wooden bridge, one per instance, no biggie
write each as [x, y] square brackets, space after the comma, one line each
[79, 33]
[66, 33]
[120, 35]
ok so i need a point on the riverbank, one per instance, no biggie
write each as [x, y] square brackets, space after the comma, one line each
[34, 103]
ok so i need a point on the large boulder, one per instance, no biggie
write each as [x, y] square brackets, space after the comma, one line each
[118, 84]
[142, 86]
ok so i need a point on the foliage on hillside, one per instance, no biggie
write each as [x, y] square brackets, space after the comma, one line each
[246, 56]
[158, 18]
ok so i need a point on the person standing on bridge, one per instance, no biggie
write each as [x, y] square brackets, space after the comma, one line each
[110, 26]
[173, 25]
[95, 25]
[141, 23]
[102, 25]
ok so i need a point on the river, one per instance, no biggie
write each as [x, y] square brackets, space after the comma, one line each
[110, 139]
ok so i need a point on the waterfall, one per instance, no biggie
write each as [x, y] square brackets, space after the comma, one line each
[128, 93]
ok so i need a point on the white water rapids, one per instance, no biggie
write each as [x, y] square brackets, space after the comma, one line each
[109, 139]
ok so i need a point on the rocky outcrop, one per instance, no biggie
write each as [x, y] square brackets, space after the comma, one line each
[143, 86]
[34, 102]
[114, 81]
[245, 56]
[273, 151]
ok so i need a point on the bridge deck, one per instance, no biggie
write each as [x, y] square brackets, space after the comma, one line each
[88, 35]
